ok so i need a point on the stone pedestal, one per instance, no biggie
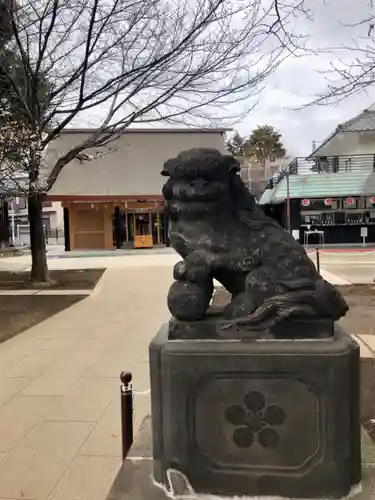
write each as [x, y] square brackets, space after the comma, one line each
[256, 417]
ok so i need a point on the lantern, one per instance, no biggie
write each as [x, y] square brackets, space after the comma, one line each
[349, 201]
[306, 202]
[328, 202]
[372, 200]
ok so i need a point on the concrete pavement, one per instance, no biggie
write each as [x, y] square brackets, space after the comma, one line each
[59, 388]
[340, 268]
[59, 381]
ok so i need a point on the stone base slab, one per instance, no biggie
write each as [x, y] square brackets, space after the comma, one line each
[252, 418]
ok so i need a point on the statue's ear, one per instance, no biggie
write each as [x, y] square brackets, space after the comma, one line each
[167, 168]
[233, 164]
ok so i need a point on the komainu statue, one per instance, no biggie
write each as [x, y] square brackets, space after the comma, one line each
[222, 234]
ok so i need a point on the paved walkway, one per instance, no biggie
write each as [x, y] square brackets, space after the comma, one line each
[59, 385]
[59, 388]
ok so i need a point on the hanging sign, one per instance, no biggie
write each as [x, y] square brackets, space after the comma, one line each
[306, 202]
[328, 202]
[349, 201]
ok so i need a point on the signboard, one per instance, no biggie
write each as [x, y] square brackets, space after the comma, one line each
[364, 232]
[295, 234]
[372, 200]
[306, 202]
[328, 202]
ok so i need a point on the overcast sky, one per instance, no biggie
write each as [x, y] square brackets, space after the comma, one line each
[298, 80]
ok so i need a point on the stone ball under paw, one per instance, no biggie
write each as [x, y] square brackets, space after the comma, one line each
[189, 301]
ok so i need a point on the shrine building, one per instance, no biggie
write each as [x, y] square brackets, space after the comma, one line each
[115, 200]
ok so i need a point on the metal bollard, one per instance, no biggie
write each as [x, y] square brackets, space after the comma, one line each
[126, 412]
[317, 260]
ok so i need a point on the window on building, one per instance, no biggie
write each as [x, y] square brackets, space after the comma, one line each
[335, 164]
[245, 174]
[46, 222]
[22, 203]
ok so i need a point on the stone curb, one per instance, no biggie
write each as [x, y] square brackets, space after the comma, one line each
[46, 292]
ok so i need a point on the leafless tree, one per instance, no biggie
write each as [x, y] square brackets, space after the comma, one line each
[352, 66]
[138, 61]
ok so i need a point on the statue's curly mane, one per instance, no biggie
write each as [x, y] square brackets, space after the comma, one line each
[208, 164]
[248, 211]
[221, 186]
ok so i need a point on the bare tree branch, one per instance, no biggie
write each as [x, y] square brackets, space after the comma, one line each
[145, 61]
[352, 66]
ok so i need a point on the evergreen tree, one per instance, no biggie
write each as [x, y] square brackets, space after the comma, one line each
[264, 142]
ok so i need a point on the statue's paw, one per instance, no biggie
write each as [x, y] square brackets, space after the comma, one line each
[198, 273]
[179, 271]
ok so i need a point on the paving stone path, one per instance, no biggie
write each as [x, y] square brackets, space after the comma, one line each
[59, 388]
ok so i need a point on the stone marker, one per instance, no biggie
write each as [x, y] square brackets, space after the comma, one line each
[262, 397]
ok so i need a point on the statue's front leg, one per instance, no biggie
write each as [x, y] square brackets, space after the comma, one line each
[190, 295]
[197, 267]
[179, 271]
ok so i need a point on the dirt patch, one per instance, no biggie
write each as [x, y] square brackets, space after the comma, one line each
[20, 312]
[64, 279]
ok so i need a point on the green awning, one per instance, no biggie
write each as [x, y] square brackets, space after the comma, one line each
[322, 186]
[266, 197]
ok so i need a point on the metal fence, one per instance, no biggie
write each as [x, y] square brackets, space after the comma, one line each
[54, 236]
[22, 236]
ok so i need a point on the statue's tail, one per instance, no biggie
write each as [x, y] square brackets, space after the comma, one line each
[330, 300]
[321, 301]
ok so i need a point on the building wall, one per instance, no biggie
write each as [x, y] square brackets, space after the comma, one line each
[91, 226]
[51, 210]
[349, 143]
[257, 175]
[56, 215]
[131, 168]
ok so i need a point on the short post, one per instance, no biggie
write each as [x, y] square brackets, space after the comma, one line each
[317, 260]
[126, 412]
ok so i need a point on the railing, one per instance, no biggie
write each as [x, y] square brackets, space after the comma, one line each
[339, 164]
[22, 235]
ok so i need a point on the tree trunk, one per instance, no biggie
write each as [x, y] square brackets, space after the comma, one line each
[39, 269]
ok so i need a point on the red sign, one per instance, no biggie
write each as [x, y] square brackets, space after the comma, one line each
[306, 202]
[328, 202]
[349, 201]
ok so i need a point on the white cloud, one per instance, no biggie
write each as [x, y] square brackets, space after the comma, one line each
[298, 80]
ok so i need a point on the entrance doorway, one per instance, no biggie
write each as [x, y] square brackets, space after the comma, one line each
[142, 230]
[139, 229]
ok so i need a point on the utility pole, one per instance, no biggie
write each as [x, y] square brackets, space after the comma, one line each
[288, 225]
[13, 222]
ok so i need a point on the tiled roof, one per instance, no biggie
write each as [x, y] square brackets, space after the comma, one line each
[320, 186]
[364, 122]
